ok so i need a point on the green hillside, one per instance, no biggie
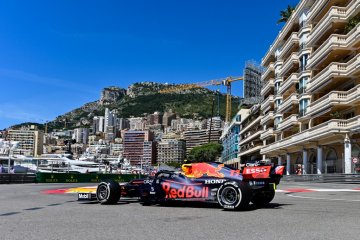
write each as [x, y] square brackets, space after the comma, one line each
[145, 98]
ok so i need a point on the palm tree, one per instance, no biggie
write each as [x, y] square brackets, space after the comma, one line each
[286, 14]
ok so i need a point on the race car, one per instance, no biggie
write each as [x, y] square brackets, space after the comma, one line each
[211, 182]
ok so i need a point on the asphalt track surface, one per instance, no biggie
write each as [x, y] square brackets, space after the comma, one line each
[27, 213]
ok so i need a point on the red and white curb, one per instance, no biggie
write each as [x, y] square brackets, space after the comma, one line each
[299, 190]
[289, 190]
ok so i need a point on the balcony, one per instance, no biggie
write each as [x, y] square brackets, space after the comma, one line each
[316, 133]
[334, 98]
[290, 42]
[287, 103]
[267, 133]
[335, 42]
[250, 137]
[334, 70]
[335, 15]
[252, 124]
[269, 116]
[289, 63]
[250, 150]
[287, 122]
[267, 103]
[267, 87]
[268, 72]
[292, 79]
[277, 64]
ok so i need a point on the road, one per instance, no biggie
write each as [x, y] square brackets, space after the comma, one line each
[332, 213]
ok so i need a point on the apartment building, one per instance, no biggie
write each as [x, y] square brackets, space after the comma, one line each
[30, 141]
[194, 138]
[138, 147]
[311, 89]
[171, 150]
[230, 139]
[81, 135]
[250, 143]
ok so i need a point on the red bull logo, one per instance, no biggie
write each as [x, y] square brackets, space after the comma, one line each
[197, 170]
[187, 191]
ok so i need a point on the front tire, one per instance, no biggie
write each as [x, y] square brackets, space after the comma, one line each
[108, 192]
[233, 195]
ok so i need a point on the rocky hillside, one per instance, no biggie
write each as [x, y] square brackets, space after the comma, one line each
[142, 98]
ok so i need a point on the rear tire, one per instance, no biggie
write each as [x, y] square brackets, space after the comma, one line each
[108, 192]
[233, 195]
[263, 198]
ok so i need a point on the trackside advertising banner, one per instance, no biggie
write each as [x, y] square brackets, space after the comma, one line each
[83, 178]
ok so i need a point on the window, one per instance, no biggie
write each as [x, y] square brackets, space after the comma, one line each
[302, 85]
[303, 106]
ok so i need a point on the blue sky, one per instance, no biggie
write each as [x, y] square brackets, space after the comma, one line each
[57, 55]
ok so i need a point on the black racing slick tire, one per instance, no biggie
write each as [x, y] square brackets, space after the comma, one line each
[108, 192]
[263, 198]
[233, 195]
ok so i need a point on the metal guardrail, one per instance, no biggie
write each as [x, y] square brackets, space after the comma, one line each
[6, 178]
[325, 178]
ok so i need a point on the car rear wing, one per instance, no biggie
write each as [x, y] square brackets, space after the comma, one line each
[263, 172]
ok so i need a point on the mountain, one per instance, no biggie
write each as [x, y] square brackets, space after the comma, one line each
[144, 97]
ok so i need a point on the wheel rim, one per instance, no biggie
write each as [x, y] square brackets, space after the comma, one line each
[229, 196]
[102, 192]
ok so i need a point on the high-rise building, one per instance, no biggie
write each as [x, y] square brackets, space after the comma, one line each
[216, 123]
[311, 85]
[123, 123]
[30, 141]
[230, 139]
[158, 117]
[250, 143]
[137, 123]
[167, 118]
[195, 138]
[252, 84]
[81, 135]
[171, 150]
[101, 125]
[138, 147]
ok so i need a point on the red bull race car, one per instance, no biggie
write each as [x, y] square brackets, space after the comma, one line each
[211, 182]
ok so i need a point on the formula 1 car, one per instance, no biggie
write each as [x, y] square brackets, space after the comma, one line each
[202, 182]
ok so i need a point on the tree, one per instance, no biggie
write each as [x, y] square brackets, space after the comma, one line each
[286, 14]
[352, 23]
[206, 153]
[174, 164]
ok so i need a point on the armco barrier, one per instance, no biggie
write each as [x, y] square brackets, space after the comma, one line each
[6, 178]
[82, 178]
[324, 178]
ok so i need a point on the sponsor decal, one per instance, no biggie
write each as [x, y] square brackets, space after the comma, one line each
[71, 180]
[200, 169]
[52, 179]
[191, 191]
[229, 206]
[234, 172]
[84, 196]
[256, 183]
[255, 170]
[279, 170]
[214, 181]
[148, 181]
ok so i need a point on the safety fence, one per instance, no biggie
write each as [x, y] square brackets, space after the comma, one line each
[83, 178]
[6, 178]
[324, 178]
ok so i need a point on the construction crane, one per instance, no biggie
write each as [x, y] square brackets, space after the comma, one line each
[224, 81]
